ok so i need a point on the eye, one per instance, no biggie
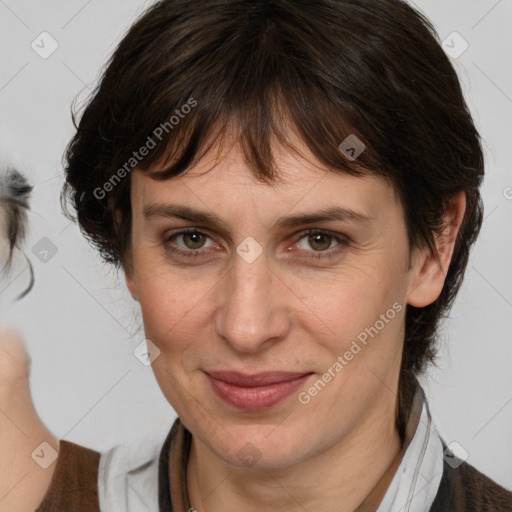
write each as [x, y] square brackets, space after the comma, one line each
[321, 242]
[192, 240]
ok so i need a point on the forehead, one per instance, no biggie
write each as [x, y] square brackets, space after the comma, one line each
[223, 181]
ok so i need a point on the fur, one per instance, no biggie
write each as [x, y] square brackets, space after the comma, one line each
[14, 204]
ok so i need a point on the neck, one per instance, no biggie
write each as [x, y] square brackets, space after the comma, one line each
[340, 478]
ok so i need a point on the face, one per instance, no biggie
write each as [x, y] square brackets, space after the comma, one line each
[251, 293]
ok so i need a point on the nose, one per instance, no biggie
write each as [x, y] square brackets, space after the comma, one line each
[253, 312]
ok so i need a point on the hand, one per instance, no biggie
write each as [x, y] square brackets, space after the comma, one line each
[23, 482]
[14, 360]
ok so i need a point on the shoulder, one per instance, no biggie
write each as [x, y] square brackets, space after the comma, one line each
[465, 489]
[74, 485]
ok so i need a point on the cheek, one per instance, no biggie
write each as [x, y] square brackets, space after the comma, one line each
[358, 317]
[360, 350]
[346, 302]
[173, 309]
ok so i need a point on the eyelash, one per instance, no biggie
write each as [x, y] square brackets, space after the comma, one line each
[343, 242]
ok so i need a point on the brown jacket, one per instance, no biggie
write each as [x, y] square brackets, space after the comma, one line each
[74, 486]
[465, 489]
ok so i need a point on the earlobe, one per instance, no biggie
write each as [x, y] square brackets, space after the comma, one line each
[430, 271]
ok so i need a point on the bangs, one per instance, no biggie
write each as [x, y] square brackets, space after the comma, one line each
[249, 78]
[257, 122]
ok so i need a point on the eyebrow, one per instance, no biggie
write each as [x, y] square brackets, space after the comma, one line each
[154, 210]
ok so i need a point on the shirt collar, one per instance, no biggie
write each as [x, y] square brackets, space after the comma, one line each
[416, 482]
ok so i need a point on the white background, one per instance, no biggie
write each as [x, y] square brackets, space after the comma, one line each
[80, 324]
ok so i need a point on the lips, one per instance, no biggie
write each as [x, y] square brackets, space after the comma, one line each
[258, 379]
[255, 391]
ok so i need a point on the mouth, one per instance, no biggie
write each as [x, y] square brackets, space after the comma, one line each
[255, 391]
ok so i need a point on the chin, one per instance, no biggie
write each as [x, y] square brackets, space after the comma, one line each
[260, 446]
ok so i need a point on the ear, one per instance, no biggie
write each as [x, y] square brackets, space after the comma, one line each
[127, 265]
[130, 281]
[429, 273]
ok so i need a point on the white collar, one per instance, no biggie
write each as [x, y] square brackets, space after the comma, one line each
[416, 481]
[128, 478]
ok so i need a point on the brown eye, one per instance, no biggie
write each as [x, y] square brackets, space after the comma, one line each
[317, 244]
[320, 241]
[193, 240]
[188, 243]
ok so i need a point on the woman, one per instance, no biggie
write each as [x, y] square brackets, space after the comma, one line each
[291, 190]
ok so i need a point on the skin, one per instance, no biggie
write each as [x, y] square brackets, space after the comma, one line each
[23, 483]
[284, 311]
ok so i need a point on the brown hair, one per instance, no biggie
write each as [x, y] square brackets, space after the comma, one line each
[332, 68]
